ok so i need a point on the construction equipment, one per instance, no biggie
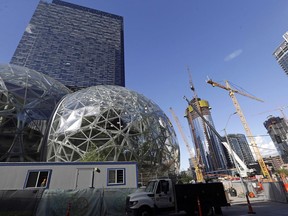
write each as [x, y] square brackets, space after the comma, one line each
[244, 170]
[198, 171]
[280, 109]
[244, 122]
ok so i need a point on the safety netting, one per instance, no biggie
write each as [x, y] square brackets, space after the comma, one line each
[85, 202]
[19, 202]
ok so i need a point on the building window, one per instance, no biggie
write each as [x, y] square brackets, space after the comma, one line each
[116, 176]
[37, 179]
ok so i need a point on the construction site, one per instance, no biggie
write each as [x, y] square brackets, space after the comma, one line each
[74, 140]
[214, 159]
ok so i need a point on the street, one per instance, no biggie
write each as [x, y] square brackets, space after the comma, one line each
[258, 205]
[265, 208]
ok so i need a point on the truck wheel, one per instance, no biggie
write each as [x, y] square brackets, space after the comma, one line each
[144, 211]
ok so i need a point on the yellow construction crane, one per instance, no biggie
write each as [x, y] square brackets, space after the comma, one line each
[198, 171]
[244, 122]
[281, 109]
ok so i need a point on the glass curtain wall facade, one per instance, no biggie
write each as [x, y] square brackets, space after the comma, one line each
[210, 150]
[281, 53]
[78, 46]
[278, 130]
[241, 147]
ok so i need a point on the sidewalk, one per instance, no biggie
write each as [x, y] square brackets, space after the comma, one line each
[258, 205]
[264, 208]
[242, 199]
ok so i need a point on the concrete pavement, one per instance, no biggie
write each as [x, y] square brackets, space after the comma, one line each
[258, 205]
[264, 208]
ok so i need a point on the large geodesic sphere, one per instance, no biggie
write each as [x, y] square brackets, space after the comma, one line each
[27, 100]
[112, 123]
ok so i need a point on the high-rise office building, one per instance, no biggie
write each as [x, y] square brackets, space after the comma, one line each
[241, 147]
[228, 156]
[78, 46]
[276, 161]
[278, 130]
[281, 53]
[207, 145]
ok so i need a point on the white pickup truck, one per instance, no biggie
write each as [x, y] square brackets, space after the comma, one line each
[162, 195]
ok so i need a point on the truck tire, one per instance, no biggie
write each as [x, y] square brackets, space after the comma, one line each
[144, 211]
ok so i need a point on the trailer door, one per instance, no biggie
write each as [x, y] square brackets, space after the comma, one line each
[84, 178]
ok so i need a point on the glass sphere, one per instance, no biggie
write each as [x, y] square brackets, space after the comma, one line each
[112, 123]
[27, 101]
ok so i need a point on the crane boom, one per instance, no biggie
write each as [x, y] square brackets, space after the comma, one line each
[281, 109]
[199, 175]
[245, 124]
[228, 88]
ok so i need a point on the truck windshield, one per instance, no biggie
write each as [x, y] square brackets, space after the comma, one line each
[150, 186]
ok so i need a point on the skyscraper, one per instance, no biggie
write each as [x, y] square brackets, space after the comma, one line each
[78, 46]
[241, 147]
[278, 130]
[281, 53]
[207, 145]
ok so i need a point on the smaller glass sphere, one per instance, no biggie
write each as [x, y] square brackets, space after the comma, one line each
[28, 99]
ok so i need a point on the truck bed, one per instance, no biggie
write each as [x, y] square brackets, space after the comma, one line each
[189, 197]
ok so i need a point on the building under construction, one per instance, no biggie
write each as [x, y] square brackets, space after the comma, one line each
[277, 128]
[209, 151]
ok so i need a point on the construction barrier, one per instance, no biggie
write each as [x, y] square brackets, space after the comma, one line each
[275, 191]
[47, 202]
[19, 202]
[286, 187]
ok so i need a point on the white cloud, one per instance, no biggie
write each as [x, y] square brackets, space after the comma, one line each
[233, 55]
[266, 148]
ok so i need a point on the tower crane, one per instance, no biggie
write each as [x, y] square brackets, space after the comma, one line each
[280, 109]
[198, 172]
[244, 122]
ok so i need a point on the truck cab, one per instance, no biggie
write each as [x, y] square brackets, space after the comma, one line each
[159, 194]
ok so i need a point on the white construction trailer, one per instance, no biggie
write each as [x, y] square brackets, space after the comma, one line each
[68, 175]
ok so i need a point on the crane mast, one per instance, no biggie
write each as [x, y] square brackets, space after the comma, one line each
[198, 172]
[244, 123]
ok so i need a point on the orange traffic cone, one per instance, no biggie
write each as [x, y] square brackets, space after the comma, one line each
[199, 207]
[68, 209]
[251, 195]
[250, 209]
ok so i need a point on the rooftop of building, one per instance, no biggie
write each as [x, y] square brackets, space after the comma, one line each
[91, 10]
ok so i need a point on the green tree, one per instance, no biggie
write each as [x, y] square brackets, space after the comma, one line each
[93, 156]
[283, 173]
[185, 178]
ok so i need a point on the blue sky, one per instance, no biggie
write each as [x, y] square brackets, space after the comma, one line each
[224, 40]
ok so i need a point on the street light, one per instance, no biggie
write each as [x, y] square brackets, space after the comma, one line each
[96, 169]
[229, 119]
[244, 186]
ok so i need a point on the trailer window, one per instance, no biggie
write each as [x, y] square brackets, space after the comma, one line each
[37, 179]
[116, 176]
